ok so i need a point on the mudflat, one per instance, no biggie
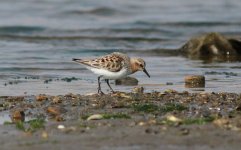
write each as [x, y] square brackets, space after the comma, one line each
[136, 120]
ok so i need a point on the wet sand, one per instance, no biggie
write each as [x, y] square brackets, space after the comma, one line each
[136, 120]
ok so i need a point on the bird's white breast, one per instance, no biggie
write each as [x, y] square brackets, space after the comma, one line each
[108, 74]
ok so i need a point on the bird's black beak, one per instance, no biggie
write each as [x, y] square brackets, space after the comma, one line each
[74, 59]
[144, 70]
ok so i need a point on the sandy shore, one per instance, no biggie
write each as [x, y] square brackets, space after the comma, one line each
[157, 120]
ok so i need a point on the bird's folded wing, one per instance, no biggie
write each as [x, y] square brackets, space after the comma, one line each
[112, 62]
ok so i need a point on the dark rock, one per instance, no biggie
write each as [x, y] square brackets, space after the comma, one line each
[212, 44]
[127, 81]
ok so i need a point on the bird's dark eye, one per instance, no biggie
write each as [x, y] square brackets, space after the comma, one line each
[141, 65]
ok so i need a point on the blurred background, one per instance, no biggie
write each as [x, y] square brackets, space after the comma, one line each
[38, 39]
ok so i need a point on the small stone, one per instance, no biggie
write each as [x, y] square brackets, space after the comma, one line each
[69, 129]
[70, 95]
[152, 121]
[138, 90]
[194, 81]
[221, 122]
[18, 115]
[41, 97]
[54, 110]
[161, 94]
[170, 91]
[57, 100]
[238, 108]
[148, 130]
[127, 81]
[184, 131]
[44, 135]
[59, 118]
[95, 117]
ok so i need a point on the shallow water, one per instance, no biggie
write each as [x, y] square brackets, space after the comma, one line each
[38, 39]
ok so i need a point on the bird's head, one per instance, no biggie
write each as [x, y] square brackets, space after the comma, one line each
[138, 64]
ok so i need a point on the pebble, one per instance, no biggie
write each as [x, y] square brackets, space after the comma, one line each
[18, 115]
[56, 100]
[138, 90]
[41, 97]
[54, 110]
[238, 108]
[194, 81]
[44, 135]
[59, 118]
[184, 131]
[141, 123]
[221, 122]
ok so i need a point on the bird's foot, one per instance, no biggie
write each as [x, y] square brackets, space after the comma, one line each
[113, 92]
[100, 92]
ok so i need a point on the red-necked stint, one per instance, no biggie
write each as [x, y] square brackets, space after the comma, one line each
[113, 66]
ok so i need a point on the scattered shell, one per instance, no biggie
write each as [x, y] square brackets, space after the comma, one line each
[173, 118]
[141, 123]
[125, 95]
[95, 117]
[120, 94]
[90, 94]
[61, 127]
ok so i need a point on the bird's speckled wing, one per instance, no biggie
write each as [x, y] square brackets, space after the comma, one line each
[113, 62]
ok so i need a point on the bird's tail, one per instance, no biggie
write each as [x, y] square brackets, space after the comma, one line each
[81, 61]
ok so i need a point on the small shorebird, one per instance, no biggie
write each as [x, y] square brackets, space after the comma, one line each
[113, 66]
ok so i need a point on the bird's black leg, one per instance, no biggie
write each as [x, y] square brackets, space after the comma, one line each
[107, 81]
[99, 88]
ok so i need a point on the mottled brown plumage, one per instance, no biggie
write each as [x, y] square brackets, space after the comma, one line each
[112, 62]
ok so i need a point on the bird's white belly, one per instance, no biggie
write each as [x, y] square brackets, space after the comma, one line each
[108, 74]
